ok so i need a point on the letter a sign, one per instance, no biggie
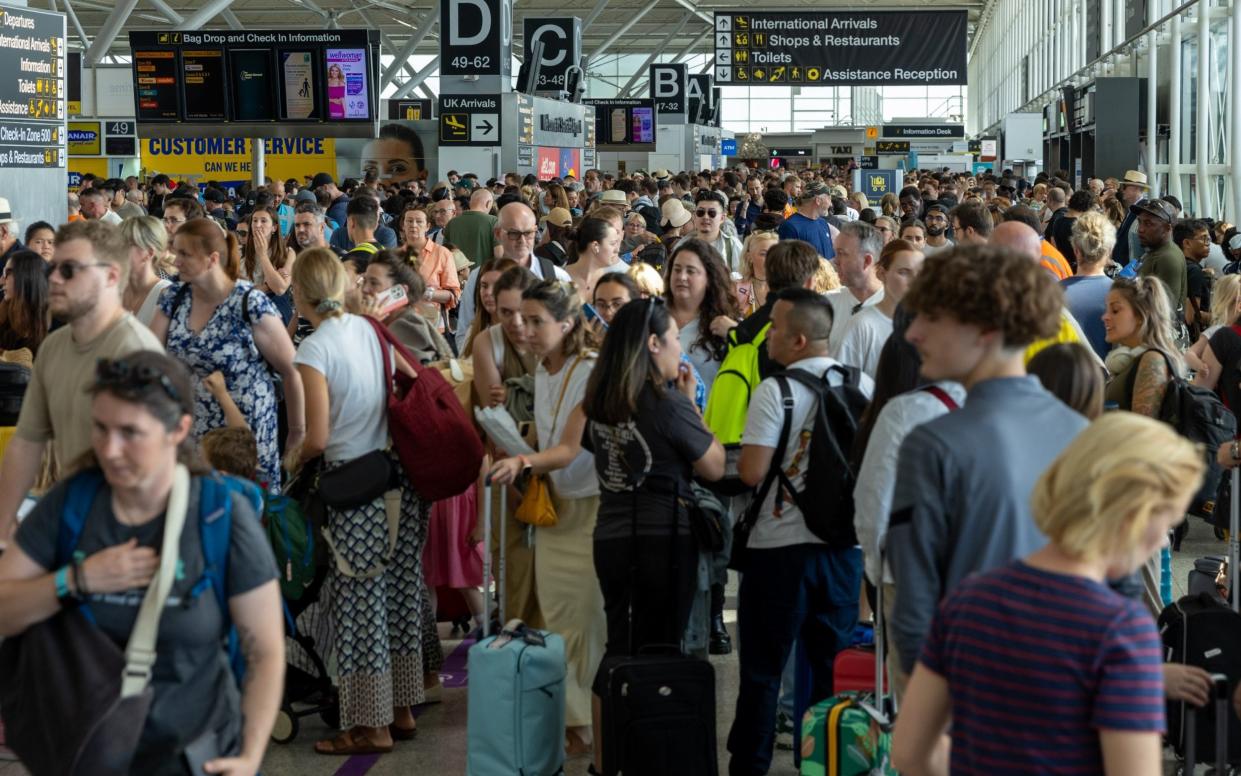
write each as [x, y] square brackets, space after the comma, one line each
[476, 37]
[670, 91]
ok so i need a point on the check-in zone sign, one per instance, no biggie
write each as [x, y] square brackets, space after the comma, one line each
[472, 119]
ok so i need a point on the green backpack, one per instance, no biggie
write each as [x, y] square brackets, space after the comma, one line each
[729, 399]
[292, 538]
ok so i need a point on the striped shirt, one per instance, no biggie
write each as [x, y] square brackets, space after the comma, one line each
[1038, 663]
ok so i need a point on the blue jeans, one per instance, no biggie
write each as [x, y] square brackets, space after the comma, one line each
[806, 592]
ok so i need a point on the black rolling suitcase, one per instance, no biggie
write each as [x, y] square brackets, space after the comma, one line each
[1220, 710]
[1205, 631]
[659, 709]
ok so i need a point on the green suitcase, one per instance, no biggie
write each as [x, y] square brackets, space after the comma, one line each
[846, 736]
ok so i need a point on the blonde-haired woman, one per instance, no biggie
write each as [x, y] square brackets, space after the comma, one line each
[564, 566]
[890, 205]
[1085, 293]
[751, 289]
[1143, 358]
[375, 590]
[1106, 505]
[148, 242]
[1225, 310]
[650, 281]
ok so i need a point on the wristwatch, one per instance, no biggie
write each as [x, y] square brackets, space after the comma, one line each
[1236, 450]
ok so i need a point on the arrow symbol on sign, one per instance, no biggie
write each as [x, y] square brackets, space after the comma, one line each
[486, 126]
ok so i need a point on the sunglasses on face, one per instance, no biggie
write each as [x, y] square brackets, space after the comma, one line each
[706, 213]
[68, 269]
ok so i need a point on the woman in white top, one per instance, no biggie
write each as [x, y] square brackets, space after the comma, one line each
[897, 407]
[147, 240]
[596, 252]
[865, 333]
[565, 578]
[377, 619]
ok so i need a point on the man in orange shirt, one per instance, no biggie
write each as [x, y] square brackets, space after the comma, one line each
[1053, 260]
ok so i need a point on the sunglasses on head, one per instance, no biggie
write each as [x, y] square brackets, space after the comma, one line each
[119, 374]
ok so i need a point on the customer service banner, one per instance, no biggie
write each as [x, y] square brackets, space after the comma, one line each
[830, 48]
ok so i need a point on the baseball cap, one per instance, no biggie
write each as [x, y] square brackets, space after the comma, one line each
[322, 179]
[306, 195]
[1155, 207]
[558, 216]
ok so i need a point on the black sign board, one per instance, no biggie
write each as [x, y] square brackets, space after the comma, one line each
[207, 78]
[562, 48]
[624, 122]
[471, 36]
[670, 91]
[701, 98]
[925, 131]
[120, 146]
[204, 83]
[73, 81]
[1135, 17]
[409, 110]
[1094, 30]
[469, 119]
[32, 89]
[891, 146]
[840, 48]
[783, 152]
[868, 162]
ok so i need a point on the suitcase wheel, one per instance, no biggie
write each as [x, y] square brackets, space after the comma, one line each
[285, 729]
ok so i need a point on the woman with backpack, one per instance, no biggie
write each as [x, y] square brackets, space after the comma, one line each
[214, 322]
[1106, 505]
[568, 589]
[700, 298]
[116, 505]
[376, 585]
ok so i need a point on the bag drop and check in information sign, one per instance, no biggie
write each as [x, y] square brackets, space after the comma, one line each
[832, 48]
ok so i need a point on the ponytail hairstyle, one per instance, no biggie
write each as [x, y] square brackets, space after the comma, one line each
[482, 318]
[562, 301]
[591, 229]
[625, 365]
[208, 237]
[320, 281]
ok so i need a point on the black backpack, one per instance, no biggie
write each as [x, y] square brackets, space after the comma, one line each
[1198, 415]
[826, 503]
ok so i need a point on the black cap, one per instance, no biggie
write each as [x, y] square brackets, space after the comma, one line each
[1155, 207]
[322, 179]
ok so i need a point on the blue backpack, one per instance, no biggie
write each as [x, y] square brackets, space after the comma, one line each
[216, 497]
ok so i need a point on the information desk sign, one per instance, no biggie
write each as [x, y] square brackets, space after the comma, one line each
[840, 48]
[32, 88]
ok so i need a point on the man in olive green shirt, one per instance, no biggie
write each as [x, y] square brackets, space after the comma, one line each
[1162, 259]
[474, 230]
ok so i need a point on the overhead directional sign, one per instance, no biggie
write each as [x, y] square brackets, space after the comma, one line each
[32, 89]
[562, 48]
[670, 91]
[841, 48]
[469, 119]
[476, 37]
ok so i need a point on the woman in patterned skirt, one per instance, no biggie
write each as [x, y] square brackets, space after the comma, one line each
[376, 588]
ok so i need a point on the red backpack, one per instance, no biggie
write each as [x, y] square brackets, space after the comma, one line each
[439, 449]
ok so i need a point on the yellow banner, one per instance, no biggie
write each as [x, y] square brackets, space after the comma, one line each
[227, 159]
[79, 166]
[85, 138]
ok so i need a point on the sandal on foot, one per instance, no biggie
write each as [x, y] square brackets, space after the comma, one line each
[350, 742]
[400, 733]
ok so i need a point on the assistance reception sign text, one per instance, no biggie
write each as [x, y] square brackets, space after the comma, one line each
[227, 159]
[833, 48]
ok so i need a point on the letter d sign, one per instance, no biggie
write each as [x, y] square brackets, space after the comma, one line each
[470, 36]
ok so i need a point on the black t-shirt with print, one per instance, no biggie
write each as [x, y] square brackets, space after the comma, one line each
[653, 453]
[1226, 345]
[194, 686]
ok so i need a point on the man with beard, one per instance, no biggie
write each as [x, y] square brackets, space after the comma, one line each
[936, 230]
[85, 278]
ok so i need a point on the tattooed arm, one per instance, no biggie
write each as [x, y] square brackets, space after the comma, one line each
[260, 628]
[1151, 384]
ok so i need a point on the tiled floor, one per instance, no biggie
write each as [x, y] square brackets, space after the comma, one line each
[441, 743]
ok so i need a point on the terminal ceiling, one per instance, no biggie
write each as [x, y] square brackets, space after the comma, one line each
[399, 20]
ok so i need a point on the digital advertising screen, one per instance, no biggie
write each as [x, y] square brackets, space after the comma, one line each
[253, 90]
[297, 72]
[643, 125]
[347, 84]
[204, 81]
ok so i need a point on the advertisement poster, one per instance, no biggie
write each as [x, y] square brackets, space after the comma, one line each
[548, 163]
[643, 125]
[299, 84]
[570, 162]
[346, 84]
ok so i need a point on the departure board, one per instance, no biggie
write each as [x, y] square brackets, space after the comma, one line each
[155, 85]
[262, 84]
[32, 88]
[203, 82]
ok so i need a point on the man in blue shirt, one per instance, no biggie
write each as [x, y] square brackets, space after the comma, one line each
[808, 223]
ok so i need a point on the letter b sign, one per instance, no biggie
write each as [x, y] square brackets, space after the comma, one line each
[668, 90]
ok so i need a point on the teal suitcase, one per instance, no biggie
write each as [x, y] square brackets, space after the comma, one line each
[516, 720]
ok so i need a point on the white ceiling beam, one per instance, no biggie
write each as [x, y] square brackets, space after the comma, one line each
[428, 22]
[693, 45]
[589, 20]
[231, 20]
[641, 71]
[204, 14]
[77, 25]
[414, 82]
[167, 10]
[624, 28]
[111, 28]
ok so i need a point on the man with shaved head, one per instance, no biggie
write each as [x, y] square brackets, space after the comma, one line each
[473, 232]
[514, 232]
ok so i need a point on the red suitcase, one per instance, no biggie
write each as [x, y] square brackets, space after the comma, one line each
[854, 669]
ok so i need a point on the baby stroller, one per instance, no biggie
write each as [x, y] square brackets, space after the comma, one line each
[308, 687]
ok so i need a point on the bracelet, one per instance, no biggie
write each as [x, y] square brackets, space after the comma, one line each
[62, 583]
[525, 462]
[79, 579]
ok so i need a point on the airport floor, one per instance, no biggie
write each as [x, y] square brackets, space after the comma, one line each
[440, 747]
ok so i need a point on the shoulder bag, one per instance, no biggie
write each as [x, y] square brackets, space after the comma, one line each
[536, 507]
[71, 701]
